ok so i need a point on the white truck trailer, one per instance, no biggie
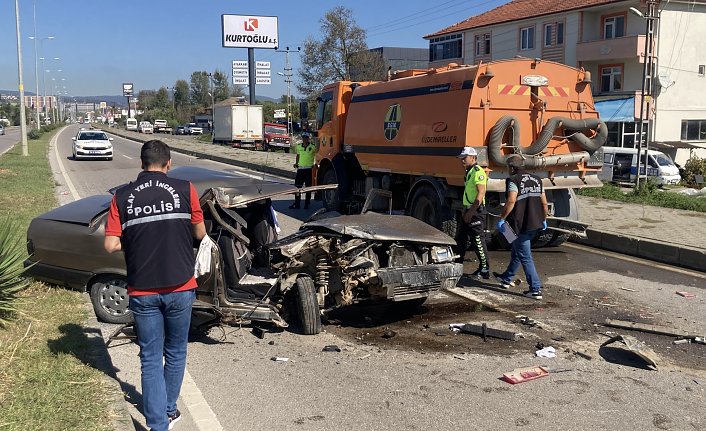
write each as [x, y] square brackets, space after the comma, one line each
[238, 125]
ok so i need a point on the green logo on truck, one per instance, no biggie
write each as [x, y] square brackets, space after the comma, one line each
[393, 119]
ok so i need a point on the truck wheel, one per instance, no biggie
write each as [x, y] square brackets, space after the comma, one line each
[427, 207]
[330, 197]
[307, 306]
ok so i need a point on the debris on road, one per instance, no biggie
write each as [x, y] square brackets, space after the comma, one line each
[637, 347]
[547, 352]
[258, 332]
[388, 333]
[685, 294]
[583, 355]
[628, 289]
[642, 327]
[279, 359]
[463, 358]
[484, 331]
[528, 321]
[521, 375]
[366, 356]
[331, 348]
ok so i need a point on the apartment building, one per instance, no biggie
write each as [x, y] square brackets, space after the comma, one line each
[607, 38]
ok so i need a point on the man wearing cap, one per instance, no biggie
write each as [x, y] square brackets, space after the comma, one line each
[474, 214]
[304, 164]
[526, 212]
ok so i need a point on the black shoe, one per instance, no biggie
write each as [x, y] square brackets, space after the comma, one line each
[481, 274]
[173, 419]
[504, 283]
[533, 294]
[294, 207]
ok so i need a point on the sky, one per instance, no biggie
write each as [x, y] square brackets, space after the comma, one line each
[153, 43]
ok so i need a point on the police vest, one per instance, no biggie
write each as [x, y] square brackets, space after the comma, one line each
[528, 213]
[474, 175]
[306, 155]
[155, 214]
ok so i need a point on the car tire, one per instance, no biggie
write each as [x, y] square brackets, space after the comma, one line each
[330, 197]
[307, 306]
[110, 300]
[286, 150]
[429, 208]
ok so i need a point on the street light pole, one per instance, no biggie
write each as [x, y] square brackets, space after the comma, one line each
[23, 119]
[288, 79]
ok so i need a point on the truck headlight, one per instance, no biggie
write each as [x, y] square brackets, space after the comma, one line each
[441, 254]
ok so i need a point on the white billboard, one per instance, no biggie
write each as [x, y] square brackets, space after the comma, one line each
[262, 72]
[240, 64]
[240, 72]
[262, 64]
[245, 31]
[240, 81]
[263, 81]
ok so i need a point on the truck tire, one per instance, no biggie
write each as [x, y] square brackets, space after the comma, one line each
[429, 208]
[330, 197]
[307, 306]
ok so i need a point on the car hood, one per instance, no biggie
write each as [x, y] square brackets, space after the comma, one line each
[382, 227]
[82, 211]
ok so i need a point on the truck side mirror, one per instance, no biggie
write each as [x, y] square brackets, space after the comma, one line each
[304, 111]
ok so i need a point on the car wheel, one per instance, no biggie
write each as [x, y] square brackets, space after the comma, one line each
[286, 150]
[110, 300]
[307, 306]
[330, 197]
[427, 207]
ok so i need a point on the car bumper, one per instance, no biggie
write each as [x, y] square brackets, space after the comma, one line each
[668, 179]
[95, 154]
[66, 277]
[279, 144]
[419, 281]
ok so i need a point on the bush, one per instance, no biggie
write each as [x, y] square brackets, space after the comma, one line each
[694, 166]
[11, 282]
[34, 134]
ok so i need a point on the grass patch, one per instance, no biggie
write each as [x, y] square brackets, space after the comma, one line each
[206, 137]
[46, 381]
[647, 196]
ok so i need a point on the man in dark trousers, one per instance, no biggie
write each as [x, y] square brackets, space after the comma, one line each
[474, 214]
[153, 220]
[526, 212]
[304, 164]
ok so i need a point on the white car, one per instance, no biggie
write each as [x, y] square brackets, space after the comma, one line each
[193, 129]
[146, 127]
[2, 129]
[92, 144]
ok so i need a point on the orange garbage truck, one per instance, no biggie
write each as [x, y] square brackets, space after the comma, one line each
[402, 135]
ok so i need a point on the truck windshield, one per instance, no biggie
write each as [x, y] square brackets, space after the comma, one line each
[276, 130]
[323, 111]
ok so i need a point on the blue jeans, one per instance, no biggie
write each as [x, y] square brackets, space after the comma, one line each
[162, 327]
[522, 255]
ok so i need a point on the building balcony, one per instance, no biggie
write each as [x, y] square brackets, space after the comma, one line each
[630, 47]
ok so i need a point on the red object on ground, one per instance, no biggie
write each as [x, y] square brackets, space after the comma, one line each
[686, 294]
[521, 375]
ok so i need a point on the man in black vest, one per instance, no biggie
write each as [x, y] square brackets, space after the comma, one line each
[526, 212]
[153, 220]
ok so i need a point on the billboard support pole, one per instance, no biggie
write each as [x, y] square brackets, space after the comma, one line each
[251, 74]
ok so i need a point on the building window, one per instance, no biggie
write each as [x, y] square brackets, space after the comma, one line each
[702, 69]
[560, 33]
[613, 26]
[553, 34]
[445, 47]
[482, 44]
[548, 30]
[693, 130]
[611, 78]
[526, 38]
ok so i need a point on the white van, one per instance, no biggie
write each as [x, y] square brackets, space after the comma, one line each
[620, 165]
[131, 124]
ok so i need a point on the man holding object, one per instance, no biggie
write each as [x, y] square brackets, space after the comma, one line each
[526, 211]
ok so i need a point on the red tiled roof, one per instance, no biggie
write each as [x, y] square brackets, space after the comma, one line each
[517, 10]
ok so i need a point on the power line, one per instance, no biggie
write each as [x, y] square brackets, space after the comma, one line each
[407, 17]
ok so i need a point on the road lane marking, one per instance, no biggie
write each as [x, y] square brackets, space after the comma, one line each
[67, 180]
[127, 157]
[196, 404]
[641, 261]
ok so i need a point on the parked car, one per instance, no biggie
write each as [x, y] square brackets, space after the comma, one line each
[2, 129]
[276, 136]
[146, 127]
[179, 130]
[193, 129]
[92, 144]
[331, 262]
[131, 124]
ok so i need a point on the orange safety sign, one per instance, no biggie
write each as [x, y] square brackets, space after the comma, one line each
[524, 90]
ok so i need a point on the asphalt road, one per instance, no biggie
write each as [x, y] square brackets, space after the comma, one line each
[416, 381]
[10, 138]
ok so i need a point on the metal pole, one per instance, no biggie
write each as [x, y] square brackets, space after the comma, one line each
[23, 119]
[36, 71]
[251, 74]
[642, 105]
[44, 84]
[651, 17]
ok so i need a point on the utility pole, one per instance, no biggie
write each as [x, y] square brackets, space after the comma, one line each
[647, 93]
[288, 79]
[23, 119]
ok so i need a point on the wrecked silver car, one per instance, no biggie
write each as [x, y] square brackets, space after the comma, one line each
[331, 262]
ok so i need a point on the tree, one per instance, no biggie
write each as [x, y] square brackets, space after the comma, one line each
[199, 89]
[161, 99]
[237, 91]
[146, 99]
[181, 94]
[221, 86]
[341, 50]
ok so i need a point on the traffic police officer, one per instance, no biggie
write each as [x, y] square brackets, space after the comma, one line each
[304, 164]
[474, 214]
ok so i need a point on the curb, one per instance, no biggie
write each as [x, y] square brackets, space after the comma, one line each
[669, 253]
[121, 418]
